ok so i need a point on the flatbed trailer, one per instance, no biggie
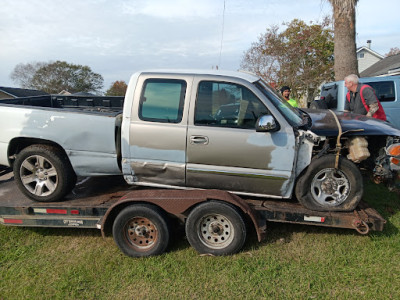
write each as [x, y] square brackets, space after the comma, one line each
[141, 220]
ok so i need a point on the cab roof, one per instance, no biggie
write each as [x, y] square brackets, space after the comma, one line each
[238, 74]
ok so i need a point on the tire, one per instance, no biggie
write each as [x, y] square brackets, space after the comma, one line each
[44, 173]
[141, 230]
[216, 228]
[323, 188]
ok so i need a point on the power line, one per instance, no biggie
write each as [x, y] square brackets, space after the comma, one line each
[222, 35]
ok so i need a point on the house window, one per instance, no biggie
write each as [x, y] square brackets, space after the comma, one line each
[361, 55]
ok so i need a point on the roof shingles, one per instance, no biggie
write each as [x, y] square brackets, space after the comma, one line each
[17, 92]
[383, 67]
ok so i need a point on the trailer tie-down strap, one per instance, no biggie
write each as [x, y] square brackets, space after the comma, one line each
[338, 144]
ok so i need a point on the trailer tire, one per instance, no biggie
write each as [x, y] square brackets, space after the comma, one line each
[141, 230]
[216, 228]
[44, 173]
[323, 188]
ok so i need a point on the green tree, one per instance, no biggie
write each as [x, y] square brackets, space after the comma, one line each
[117, 88]
[344, 16]
[300, 56]
[53, 77]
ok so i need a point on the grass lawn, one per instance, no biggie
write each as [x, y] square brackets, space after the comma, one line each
[295, 262]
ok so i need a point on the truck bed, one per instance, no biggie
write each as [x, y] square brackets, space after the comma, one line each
[94, 104]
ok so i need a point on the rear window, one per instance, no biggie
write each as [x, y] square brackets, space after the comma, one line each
[329, 95]
[162, 100]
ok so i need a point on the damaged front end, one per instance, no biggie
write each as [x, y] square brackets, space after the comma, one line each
[385, 160]
[371, 144]
[387, 163]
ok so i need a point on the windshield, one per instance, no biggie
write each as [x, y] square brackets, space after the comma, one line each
[292, 115]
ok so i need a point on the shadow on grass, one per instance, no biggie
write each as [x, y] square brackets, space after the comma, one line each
[385, 202]
[178, 239]
[282, 233]
[49, 231]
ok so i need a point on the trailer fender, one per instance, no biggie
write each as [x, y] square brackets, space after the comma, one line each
[179, 204]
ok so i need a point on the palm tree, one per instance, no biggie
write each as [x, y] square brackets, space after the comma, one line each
[344, 15]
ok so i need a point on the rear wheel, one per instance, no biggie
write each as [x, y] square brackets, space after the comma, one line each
[216, 228]
[44, 173]
[324, 188]
[141, 230]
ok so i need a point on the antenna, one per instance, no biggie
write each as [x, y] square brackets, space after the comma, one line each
[222, 36]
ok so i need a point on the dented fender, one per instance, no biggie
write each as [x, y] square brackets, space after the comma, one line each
[306, 142]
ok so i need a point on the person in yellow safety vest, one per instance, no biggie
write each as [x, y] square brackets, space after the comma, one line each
[285, 90]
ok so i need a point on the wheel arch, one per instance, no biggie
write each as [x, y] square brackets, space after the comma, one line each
[179, 203]
[16, 145]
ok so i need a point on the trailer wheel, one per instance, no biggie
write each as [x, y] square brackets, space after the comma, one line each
[141, 230]
[44, 173]
[216, 228]
[323, 188]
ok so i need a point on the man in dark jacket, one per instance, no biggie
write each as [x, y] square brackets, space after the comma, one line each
[361, 99]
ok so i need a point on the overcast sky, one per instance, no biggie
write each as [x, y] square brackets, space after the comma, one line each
[118, 37]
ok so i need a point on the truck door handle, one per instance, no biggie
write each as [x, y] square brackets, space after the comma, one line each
[199, 139]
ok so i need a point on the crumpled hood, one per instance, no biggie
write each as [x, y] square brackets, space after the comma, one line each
[324, 124]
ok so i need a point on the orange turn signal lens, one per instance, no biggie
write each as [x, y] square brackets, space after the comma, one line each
[394, 150]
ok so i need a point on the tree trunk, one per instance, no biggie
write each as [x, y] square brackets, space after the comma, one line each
[345, 38]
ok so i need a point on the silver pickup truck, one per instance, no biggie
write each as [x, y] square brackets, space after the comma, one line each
[198, 129]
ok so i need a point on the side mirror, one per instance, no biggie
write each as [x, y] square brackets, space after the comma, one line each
[266, 123]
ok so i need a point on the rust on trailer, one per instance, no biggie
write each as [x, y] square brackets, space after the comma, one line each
[89, 192]
[180, 202]
[362, 219]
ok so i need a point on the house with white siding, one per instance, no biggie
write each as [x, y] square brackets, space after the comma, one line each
[389, 66]
[366, 57]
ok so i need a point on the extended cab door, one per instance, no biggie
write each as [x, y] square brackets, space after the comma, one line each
[157, 130]
[224, 151]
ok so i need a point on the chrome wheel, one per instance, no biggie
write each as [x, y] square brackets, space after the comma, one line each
[38, 175]
[330, 187]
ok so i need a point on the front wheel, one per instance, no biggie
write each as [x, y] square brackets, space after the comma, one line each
[141, 230]
[216, 228]
[324, 188]
[44, 173]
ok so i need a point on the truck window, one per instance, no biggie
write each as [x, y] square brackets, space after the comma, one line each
[227, 105]
[329, 96]
[384, 90]
[162, 100]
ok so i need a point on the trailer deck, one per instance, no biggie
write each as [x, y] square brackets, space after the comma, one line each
[84, 207]
[91, 199]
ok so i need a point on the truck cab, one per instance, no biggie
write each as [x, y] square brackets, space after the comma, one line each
[201, 132]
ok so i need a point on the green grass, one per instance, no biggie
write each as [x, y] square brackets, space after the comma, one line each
[295, 262]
